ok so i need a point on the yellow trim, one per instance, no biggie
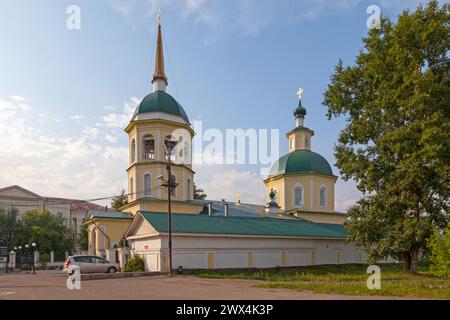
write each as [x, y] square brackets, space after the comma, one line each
[211, 260]
[250, 259]
[313, 258]
[283, 258]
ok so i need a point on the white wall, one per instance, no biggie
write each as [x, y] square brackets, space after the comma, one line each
[192, 252]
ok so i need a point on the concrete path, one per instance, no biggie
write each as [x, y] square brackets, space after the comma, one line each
[52, 286]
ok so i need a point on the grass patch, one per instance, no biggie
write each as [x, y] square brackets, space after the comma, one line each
[345, 279]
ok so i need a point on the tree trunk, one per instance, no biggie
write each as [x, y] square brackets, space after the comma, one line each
[407, 259]
[414, 255]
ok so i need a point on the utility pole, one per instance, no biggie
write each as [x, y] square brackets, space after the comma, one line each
[168, 146]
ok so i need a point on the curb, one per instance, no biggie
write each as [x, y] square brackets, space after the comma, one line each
[118, 275]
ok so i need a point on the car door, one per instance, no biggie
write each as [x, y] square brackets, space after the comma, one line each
[99, 265]
[86, 265]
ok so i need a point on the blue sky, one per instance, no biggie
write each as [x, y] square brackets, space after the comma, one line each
[66, 95]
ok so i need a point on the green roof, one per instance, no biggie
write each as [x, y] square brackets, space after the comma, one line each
[201, 224]
[108, 215]
[301, 161]
[161, 101]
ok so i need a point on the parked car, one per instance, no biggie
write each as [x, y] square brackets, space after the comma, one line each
[88, 264]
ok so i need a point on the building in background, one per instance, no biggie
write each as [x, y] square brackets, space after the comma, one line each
[74, 211]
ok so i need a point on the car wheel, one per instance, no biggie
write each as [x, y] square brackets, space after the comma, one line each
[112, 270]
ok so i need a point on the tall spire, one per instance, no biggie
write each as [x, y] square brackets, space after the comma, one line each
[159, 77]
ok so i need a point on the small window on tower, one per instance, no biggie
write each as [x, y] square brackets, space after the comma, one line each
[307, 142]
[149, 147]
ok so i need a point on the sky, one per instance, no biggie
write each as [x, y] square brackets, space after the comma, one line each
[66, 95]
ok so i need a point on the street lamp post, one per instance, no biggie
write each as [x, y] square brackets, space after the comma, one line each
[33, 246]
[169, 144]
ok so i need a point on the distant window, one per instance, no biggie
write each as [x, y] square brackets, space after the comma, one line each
[148, 185]
[298, 196]
[307, 144]
[149, 147]
[168, 139]
[131, 187]
[323, 197]
[133, 151]
[189, 189]
[173, 183]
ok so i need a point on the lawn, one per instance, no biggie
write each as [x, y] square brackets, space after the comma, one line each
[346, 279]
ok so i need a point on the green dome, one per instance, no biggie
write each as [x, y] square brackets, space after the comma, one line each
[300, 112]
[161, 101]
[301, 161]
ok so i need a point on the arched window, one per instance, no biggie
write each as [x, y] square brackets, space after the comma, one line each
[149, 147]
[189, 189]
[148, 185]
[131, 188]
[173, 184]
[297, 196]
[323, 197]
[133, 150]
[167, 140]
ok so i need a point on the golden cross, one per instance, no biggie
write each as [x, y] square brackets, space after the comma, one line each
[159, 17]
[300, 93]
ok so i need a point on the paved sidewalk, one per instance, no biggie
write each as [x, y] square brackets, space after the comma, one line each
[51, 285]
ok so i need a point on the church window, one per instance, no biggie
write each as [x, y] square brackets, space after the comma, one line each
[172, 154]
[133, 151]
[131, 187]
[298, 196]
[323, 197]
[307, 142]
[189, 189]
[148, 185]
[149, 147]
[173, 185]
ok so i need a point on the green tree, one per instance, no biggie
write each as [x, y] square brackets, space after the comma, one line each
[48, 231]
[119, 201]
[199, 194]
[395, 144]
[82, 238]
[440, 254]
[8, 227]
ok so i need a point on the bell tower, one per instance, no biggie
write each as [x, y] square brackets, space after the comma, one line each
[158, 119]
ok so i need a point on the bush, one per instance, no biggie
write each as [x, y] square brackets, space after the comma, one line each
[44, 259]
[136, 264]
[440, 254]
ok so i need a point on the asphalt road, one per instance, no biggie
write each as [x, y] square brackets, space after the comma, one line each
[52, 286]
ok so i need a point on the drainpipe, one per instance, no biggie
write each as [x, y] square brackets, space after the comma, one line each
[210, 209]
[225, 207]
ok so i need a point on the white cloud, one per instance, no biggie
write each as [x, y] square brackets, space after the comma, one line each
[109, 108]
[111, 138]
[17, 99]
[225, 181]
[76, 117]
[120, 120]
[62, 166]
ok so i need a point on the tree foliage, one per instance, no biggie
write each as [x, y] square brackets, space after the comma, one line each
[119, 201]
[48, 231]
[440, 254]
[9, 225]
[396, 141]
[82, 238]
[199, 194]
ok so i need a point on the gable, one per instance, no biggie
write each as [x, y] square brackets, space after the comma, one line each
[19, 193]
[140, 227]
